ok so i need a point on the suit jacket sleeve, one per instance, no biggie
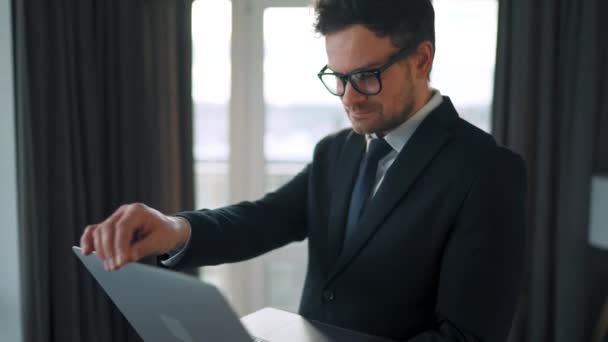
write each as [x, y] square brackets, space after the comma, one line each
[247, 229]
[482, 265]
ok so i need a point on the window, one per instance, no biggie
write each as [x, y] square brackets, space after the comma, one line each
[211, 70]
[298, 111]
[463, 69]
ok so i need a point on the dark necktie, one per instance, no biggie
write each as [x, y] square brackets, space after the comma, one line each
[362, 192]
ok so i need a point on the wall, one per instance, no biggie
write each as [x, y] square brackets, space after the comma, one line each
[10, 300]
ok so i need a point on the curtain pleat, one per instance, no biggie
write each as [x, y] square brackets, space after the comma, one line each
[550, 104]
[104, 117]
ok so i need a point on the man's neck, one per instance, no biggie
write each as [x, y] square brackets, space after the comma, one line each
[422, 98]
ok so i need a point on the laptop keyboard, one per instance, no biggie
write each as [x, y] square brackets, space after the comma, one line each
[257, 339]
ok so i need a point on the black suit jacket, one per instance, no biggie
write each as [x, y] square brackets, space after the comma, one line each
[437, 255]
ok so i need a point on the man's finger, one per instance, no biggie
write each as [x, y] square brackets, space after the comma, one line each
[131, 220]
[108, 243]
[86, 240]
[107, 236]
[96, 234]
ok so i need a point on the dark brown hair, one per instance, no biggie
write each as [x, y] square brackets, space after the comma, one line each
[407, 22]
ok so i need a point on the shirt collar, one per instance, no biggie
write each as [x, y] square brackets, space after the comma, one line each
[398, 137]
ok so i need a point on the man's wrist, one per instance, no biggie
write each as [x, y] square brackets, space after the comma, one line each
[183, 229]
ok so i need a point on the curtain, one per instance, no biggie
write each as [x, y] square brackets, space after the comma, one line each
[104, 118]
[550, 105]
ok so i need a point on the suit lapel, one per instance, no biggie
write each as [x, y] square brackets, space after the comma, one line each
[427, 141]
[346, 172]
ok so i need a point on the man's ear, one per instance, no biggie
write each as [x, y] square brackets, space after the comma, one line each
[423, 60]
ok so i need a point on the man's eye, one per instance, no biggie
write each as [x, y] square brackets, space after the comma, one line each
[363, 76]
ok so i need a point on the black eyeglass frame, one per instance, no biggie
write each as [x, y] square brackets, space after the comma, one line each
[377, 72]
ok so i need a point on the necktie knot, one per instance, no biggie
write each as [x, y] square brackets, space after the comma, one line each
[378, 148]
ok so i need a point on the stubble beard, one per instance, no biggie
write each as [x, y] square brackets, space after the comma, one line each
[386, 124]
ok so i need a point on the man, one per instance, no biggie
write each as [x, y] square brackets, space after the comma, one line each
[414, 217]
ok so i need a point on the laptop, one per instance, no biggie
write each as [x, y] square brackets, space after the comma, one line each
[164, 305]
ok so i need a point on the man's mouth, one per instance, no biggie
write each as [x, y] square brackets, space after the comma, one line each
[360, 114]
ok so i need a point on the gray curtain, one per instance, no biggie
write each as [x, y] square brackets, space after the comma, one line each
[551, 105]
[103, 118]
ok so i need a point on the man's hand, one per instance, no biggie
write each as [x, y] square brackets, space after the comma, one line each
[132, 232]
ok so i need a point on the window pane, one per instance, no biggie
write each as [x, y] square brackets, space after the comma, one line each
[211, 184]
[466, 55]
[211, 34]
[299, 110]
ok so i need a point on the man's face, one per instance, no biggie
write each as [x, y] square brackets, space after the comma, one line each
[357, 48]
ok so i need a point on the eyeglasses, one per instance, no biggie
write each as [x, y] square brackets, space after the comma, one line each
[367, 82]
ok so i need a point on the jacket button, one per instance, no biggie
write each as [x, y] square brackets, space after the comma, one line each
[328, 295]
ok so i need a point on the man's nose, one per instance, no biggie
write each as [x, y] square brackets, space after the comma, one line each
[351, 96]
